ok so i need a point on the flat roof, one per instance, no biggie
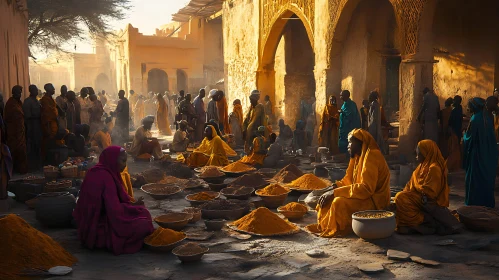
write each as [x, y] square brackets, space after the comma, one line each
[198, 8]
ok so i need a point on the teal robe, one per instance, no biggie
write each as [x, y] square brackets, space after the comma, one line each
[349, 120]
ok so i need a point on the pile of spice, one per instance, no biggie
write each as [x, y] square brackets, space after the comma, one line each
[310, 182]
[173, 180]
[202, 196]
[236, 190]
[238, 167]
[164, 236]
[288, 174]
[24, 247]
[250, 180]
[189, 249]
[374, 215]
[265, 222]
[273, 190]
[211, 171]
[153, 175]
[295, 207]
[161, 189]
[224, 205]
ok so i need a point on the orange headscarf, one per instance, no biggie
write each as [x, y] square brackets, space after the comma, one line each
[430, 151]
[368, 144]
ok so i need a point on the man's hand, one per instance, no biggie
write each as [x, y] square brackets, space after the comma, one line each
[325, 198]
[139, 201]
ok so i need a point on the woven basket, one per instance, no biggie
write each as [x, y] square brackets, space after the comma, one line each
[57, 186]
[71, 172]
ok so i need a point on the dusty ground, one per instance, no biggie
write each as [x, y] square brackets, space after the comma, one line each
[284, 257]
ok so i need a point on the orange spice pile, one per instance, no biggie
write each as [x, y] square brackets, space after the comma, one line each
[211, 171]
[288, 174]
[295, 207]
[202, 196]
[238, 167]
[265, 222]
[273, 189]
[189, 249]
[164, 236]
[24, 247]
[310, 182]
[173, 180]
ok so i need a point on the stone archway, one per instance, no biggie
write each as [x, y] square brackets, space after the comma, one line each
[182, 81]
[157, 81]
[102, 82]
[287, 62]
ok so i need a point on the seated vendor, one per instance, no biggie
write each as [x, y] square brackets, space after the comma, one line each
[258, 149]
[217, 129]
[274, 154]
[300, 137]
[143, 143]
[76, 143]
[212, 151]
[180, 140]
[104, 214]
[366, 186]
[102, 138]
[422, 205]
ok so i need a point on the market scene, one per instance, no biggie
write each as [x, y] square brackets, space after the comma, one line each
[249, 139]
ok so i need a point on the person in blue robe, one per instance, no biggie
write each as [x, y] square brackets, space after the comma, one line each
[349, 120]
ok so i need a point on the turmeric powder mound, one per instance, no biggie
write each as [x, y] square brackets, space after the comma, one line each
[202, 196]
[265, 222]
[288, 174]
[273, 189]
[211, 171]
[310, 182]
[237, 167]
[295, 207]
[164, 236]
[23, 247]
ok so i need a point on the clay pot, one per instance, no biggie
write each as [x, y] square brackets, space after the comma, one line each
[55, 209]
[336, 174]
[373, 228]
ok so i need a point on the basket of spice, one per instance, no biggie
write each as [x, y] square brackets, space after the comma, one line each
[238, 192]
[50, 172]
[373, 224]
[224, 209]
[34, 180]
[160, 191]
[212, 174]
[265, 223]
[293, 210]
[273, 195]
[60, 186]
[164, 239]
[175, 221]
[308, 183]
[237, 169]
[190, 252]
[196, 214]
[199, 198]
[69, 171]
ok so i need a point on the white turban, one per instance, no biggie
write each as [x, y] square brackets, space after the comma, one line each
[213, 92]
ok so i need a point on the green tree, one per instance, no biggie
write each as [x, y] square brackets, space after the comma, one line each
[54, 22]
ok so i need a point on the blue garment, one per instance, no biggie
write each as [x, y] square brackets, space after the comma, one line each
[456, 121]
[349, 120]
[480, 157]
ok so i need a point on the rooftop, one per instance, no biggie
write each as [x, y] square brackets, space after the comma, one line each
[198, 8]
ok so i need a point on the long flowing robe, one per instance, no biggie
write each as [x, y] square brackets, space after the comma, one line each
[212, 112]
[16, 134]
[96, 113]
[235, 122]
[121, 131]
[104, 214]
[430, 179]
[349, 120]
[71, 116]
[142, 144]
[49, 121]
[328, 129]
[32, 119]
[6, 165]
[223, 115]
[139, 112]
[254, 119]
[445, 131]
[62, 119]
[200, 118]
[84, 106]
[162, 117]
[454, 160]
[210, 152]
[429, 112]
[374, 125]
[480, 158]
[258, 152]
[366, 186]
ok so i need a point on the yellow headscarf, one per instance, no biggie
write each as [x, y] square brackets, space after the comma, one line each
[432, 155]
[368, 144]
[206, 147]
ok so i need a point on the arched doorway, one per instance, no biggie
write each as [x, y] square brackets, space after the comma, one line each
[365, 52]
[157, 81]
[181, 80]
[102, 82]
[287, 67]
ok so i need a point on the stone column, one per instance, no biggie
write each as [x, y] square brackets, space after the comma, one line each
[266, 84]
[298, 86]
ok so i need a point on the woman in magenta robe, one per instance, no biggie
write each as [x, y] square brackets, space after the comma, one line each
[104, 214]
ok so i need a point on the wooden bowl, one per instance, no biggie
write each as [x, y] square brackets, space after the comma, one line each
[291, 214]
[189, 258]
[175, 221]
[213, 180]
[195, 203]
[273, 201]
[160, 191]
[247, 192]
[164, 248]
[196, 214]
[215, 225]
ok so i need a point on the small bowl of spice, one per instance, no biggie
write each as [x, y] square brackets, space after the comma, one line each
[161, 191]
[238, 192]
[273, 195]
[190, 252]
[215, 225]
[293, 210]
[199, 198]
[237, 169]
[164, 239]
[196, 214]
[373, 224]
[175, 221]
[212, 174]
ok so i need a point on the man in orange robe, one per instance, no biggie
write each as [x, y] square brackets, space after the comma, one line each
[162, 116]
[328, 130]
[49, 118]
[16, 134]
[223, 113]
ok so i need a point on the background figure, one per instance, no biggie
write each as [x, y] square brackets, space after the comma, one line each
[48, 119]
[349, 120]
[212, 112]
[121, 132]
[139, 111]
[454, 160]
[364, 114]
[328, 129]
[32, 119]
[300, 137]
[71, 111]
[253, 120]
[199, 108]
[62, 107]
[236, 122]
[285, 138]
[374, 121]
[444, 127]
[96, 111]
[187, 110]
[223, 112]
[84, 105]
[16, 134]
[428, 116]
[162, 116]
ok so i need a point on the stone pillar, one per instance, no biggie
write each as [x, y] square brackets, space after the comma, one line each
[298, 86]
[415, 75]
[266, 84]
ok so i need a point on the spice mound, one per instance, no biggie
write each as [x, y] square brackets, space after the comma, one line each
[310, 182]
[265, 222]
[161, 189]
[189, 249]
[288, 174]
[250, 180]
[224, 205]
[202, 196]
[374, 215]
[237, 190]
[24, 247]
[237, 167]
[295, 207]
[153, 175]
[211, 171]
[164, 236]
[272, 190]
[173, 180]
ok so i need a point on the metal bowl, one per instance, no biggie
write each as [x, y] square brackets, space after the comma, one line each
[373, 228]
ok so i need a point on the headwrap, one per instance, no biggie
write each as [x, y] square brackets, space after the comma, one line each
[255, 94]
[430, 151]
[213, 92]
[368, 144]
[477, 104]
[148, 119]
[237, 101]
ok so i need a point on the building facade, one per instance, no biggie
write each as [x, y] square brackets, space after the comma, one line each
[295, 49]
